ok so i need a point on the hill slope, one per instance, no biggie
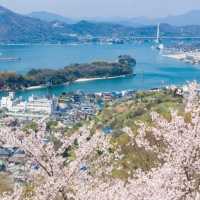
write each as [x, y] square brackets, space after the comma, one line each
[49, 17]
[18, 28]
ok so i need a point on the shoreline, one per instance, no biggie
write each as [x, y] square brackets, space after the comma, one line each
[44, 86]
[187, 57]
[35, 87]
[81, 80]
[102, 78]
[177, 56]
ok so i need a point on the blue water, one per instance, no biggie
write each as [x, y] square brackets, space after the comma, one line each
[152, 70]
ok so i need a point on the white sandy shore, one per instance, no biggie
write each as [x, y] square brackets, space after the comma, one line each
[36, 87]
[102, 78]
[178, 56]
[77, 81]
[190, 56]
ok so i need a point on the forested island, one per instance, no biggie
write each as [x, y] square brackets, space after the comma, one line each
[50, 77]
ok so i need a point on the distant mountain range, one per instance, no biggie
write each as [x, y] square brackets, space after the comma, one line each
[189, 18]
[17, 28]
[49, 17]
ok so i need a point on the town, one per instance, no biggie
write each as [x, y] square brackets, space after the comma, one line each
[69, 108]
[65, 111]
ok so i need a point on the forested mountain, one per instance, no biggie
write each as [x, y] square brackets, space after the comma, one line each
[16, 28]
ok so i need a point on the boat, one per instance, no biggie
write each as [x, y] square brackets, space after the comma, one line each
[9, 59]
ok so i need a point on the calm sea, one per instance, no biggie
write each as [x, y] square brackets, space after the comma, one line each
[152, 70]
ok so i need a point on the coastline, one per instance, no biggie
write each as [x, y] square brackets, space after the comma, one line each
[101, 78]
[188, 57]
[81, 80]
[35, 87]
[44, 86]
[177, 56]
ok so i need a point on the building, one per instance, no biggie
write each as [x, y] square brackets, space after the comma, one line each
[5, 153]
[32, 105]
[41, 105]
[107, 96]
[7, 102]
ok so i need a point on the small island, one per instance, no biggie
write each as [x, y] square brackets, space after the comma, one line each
[69, 74]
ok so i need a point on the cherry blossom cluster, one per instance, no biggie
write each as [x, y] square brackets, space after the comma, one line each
[175, 177]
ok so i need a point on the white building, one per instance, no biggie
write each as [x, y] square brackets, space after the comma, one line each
[7, 102]
[33, 105]
[41, 105]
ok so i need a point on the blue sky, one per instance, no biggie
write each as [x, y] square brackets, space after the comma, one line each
[104, 8]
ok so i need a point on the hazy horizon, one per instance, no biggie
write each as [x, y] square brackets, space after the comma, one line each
[103, 8]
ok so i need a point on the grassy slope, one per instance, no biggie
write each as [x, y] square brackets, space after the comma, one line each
[126, 114]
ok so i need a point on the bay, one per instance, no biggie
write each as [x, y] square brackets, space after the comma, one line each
[152, 70]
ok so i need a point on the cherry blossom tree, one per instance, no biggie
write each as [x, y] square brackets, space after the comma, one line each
[176, 176]
[15, 195]
[53, 176]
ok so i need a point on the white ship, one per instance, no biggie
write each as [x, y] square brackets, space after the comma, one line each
[9, 59]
